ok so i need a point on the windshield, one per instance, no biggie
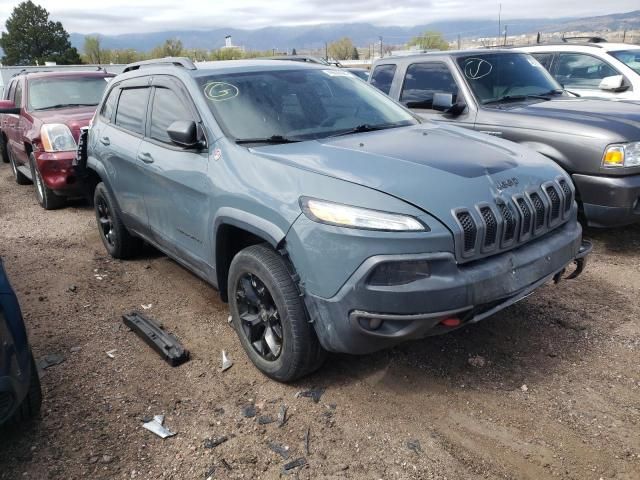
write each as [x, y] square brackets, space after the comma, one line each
[631, 58]
[298, 104]
[60, 92]
[492, 77]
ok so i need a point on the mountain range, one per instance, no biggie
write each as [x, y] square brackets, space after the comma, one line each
[362, 34]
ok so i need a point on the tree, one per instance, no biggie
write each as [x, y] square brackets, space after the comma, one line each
[341, 49]
[430, 40]
[32, 38]
[171, 47]
[293, 52]
[354, 54]
[94, 52]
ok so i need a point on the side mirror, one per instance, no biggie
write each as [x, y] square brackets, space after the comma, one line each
[443, 102]
[615, 83]
[7, 106]
[184, 133]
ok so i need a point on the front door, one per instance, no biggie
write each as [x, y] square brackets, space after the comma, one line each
[176, 186]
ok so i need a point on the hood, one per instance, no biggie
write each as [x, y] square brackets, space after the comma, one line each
[434, 167]
[603, 114]
[75, 118]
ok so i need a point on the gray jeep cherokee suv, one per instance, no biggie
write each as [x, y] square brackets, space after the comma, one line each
[326, 214]
[509, 94]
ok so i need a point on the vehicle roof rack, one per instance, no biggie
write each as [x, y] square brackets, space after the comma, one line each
[586, 39]
[175, 61]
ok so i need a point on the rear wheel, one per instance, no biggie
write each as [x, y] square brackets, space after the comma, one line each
[114, 235]
[45, 196]
[21, 178]
[270, 317]
[4, 154]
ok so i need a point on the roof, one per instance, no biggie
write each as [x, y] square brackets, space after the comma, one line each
[606, 46]
[448, 53]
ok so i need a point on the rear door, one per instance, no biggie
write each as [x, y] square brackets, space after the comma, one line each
[116, 139]
[176, 184]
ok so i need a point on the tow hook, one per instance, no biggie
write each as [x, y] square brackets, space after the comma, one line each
[580, 262]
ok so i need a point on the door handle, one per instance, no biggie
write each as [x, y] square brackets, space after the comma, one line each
[145, 157]
[105, 141]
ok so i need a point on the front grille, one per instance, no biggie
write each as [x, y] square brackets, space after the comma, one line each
[512, 221]
[555, 202]
[6, 404]
[568, 198]
[525, 212]
[491, 226]
[509, 222]
[538, 205]
[470, 230]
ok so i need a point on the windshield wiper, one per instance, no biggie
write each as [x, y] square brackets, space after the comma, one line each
[507, 98]
[64, 105]
[365, 127]
[273, 139]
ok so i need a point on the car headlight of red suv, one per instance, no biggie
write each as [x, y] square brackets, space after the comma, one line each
[56, 137]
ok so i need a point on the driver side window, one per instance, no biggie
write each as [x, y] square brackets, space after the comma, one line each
[167, 108]
[574, 70]
[423, 80]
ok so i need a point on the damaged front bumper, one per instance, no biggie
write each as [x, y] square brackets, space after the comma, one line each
[363, 318]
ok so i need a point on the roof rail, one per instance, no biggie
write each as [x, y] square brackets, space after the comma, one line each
[176, 61]
[586, 39]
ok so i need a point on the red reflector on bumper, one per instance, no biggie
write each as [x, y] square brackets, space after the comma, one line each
[451, 322]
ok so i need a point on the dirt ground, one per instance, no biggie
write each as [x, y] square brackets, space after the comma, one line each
[549, 388]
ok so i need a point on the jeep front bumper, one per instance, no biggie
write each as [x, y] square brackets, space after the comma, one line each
[362, 318]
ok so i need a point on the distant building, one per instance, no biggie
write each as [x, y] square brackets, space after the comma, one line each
[228, 44]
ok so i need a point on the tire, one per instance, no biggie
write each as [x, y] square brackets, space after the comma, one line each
[4, 154]
[114, 235]
[21, 179]
[44, 195]
[30, 406]
[300, 352]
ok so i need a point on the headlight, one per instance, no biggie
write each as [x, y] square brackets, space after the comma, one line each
[341, 215]
[624, 155]
[57, 137]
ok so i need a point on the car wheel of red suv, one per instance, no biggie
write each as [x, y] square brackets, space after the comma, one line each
[45, 196]
[4, 154]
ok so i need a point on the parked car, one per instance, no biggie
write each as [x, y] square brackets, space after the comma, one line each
[593, 69]
[39, 137]
[330, 217]
[362, 73]
[20, 394]
[509, 94]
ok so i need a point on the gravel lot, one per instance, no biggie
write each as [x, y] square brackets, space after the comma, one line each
[549, 388]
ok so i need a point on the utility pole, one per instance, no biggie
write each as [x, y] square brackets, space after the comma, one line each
[326, 51]
[624, 35]
[499, 21]
[381, 55]
[458, 41]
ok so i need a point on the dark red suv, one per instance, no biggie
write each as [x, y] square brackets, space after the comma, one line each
[39, 137]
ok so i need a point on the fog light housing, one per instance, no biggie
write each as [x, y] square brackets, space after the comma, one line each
[389, 274]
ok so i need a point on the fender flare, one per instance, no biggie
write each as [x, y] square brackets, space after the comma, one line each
[249, 222]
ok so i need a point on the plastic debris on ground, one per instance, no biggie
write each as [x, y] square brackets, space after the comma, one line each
[298, 462]
[157, 426]
[214, 442]
[164, 343]
[226, 363]
[415, 446]
[111, 353]
[50, 360]
[249, 411]
[282, 450]
[315, 394]
[282, 416]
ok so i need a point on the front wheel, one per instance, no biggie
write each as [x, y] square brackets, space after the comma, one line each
[269, 315]
[45, 196]
[114, 235]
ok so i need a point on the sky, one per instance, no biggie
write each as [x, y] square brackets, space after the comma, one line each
[111, 17]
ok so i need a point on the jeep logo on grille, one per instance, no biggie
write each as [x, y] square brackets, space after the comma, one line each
[508, 183]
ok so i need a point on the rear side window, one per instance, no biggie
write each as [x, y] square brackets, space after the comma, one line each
[167, 108]
[575, 70]
[425, 79]
[132, 108]
[109, 105]
[544, 59]
[382, 77]
[9, 91]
